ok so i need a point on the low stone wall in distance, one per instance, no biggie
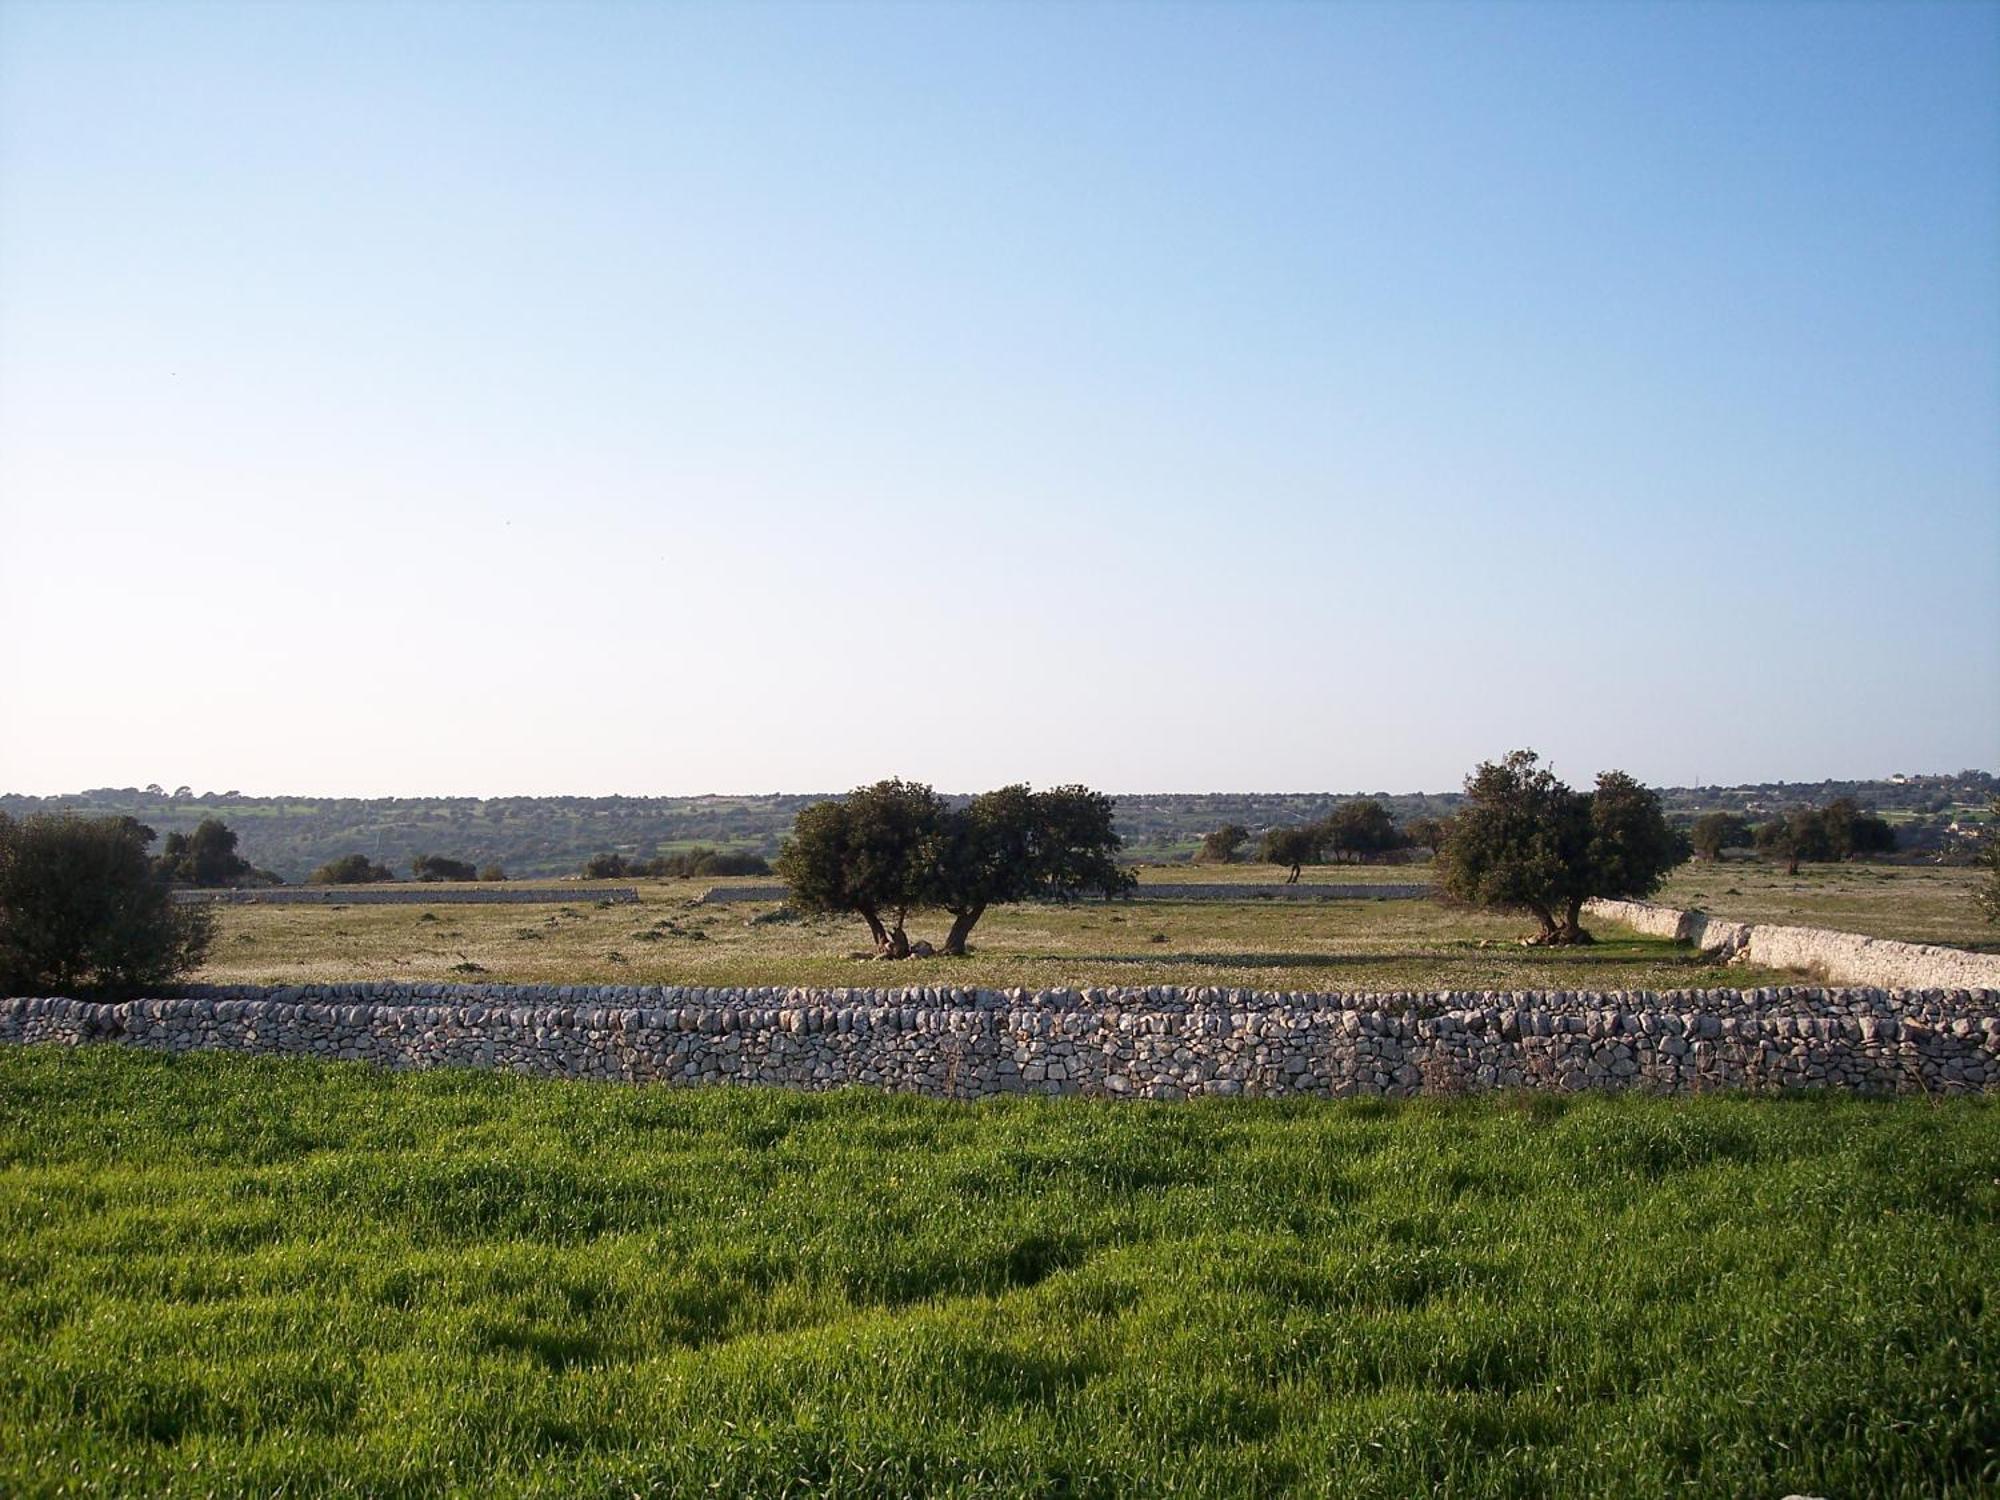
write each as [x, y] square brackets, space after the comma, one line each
[1155, 1042]
[1840, 957]
[496, 894]
[1190, 891]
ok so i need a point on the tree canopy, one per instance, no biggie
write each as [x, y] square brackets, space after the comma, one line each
[1219, 846]
[1716, 831]
[1296, 847]
[350, 869]
[1362, 829]
[83, 909]
[205, 857]
[888, 850]
[430, 867]
[1523, 840]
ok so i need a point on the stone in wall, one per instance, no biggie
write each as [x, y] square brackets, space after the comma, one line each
[1841, 957]
[1153, 1042]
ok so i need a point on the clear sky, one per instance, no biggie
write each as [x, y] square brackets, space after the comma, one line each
[642, 398]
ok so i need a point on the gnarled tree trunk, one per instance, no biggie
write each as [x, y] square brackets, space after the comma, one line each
[962, 923]
[875, 928]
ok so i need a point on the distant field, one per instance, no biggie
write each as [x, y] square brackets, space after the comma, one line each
[1912, 903]
[1262, 874]
[667, 939]
[231, 1276]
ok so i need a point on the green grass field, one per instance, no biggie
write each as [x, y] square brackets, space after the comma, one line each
[667, 939]
[233, 1276]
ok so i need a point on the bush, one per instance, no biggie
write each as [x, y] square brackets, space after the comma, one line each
[430, 867]
[206, 857]
[697, 862]
[492, 872]
[1219, 847]
[83, 910]
[605, 867]
[350, 869]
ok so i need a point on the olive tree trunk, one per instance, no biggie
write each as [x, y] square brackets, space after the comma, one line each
[962, 923]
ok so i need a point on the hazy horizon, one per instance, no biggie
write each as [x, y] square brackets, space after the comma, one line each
[641, 399]
[303, 794]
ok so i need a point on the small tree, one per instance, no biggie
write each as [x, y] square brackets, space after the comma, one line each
[83, 909]
[1362, 828]
[1295, 847]
[1850, 830]
[872, 853]
[206, 857]
[434, 867]
[1716, 831]
[1795, 836]
[1525, 841]
[350, 869]
[492, 873]
[1428, 833]
[1219, 847]
[605, 867]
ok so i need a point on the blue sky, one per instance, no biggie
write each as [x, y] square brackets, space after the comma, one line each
[646, 398]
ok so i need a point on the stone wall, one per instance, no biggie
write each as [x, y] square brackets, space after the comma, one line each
[1156, 1042]
[1188, 891]
[420, 894]
[1841, 957]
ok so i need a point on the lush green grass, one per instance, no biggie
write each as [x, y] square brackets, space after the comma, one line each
[228, 1276]
[666, 939]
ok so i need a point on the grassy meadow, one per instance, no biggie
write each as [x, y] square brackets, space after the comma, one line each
[231, 1276]
[1911, 903]
[670, 939]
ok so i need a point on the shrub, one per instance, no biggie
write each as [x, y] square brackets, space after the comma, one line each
[350, 869]
[84, 910]
[206, 857]
[1219, 847]
[605, 867]
[491, 873]
[431, 867]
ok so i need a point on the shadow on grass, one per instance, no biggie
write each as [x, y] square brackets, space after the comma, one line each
[1604, 956]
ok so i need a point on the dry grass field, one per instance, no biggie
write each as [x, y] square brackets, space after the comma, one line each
[668, 938]
[1911, 903]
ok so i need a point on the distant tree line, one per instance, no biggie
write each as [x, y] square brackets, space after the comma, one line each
[549, 836]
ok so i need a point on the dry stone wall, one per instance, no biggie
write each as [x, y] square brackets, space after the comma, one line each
[1841, 957]
[408, 895]
[1156, 1042]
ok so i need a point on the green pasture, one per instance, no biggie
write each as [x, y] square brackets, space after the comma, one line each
[225, 1276]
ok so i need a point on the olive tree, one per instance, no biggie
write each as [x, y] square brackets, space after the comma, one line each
[1295, 847]
[1016, 844]
[1362, 828]
[872, 853]
[1716, 831]
[84, 909]
[1524, 841]
[206, 857]
[888, 850]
